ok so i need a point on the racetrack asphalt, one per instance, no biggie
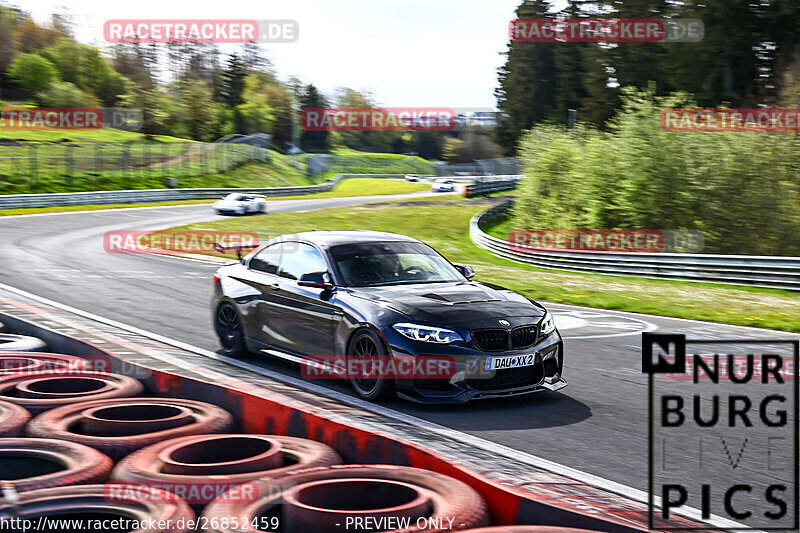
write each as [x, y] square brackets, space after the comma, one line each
[598, 424]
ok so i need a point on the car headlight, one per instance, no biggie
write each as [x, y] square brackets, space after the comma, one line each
[547, 325]
[427, 333]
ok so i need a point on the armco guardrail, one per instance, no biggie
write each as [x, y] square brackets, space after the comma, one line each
[490, 184]
[163, 195]
[755, 271]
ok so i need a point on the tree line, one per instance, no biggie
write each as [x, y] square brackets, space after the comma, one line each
[193, 90]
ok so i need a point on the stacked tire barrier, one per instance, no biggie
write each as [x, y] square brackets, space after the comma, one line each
[95, 445]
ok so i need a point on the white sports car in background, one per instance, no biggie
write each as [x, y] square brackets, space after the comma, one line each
[445, 186]
[240, 204]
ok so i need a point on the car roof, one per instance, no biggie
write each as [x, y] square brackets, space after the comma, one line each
[327, 239]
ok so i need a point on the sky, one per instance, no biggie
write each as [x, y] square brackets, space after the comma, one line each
[423, 53]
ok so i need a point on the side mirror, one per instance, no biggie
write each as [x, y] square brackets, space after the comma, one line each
[466, 271]
[319, 280]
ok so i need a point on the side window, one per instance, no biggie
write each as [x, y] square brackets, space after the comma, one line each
[298, 259]
[267, 259]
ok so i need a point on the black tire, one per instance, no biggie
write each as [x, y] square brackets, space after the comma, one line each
[149, 466]
[365, 343]
[448, 497]
[39, 392]
[68, 423]
[21, 343]
[228, 325]
[12, 419]
[35, 464]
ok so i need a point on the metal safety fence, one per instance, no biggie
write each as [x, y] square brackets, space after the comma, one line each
[756, 271]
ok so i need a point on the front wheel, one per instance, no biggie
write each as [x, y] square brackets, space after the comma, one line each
[367, 347]
[230, 331]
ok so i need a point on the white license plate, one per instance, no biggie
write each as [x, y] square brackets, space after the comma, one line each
[510, 361]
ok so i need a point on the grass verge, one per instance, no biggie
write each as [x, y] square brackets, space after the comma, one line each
[444, 225]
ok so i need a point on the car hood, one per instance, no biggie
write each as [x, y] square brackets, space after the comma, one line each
[468, 304]
[228, 203]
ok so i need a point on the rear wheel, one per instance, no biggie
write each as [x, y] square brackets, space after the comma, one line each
[367, 347]
[230, 331]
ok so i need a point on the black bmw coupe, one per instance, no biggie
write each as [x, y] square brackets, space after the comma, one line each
[430, 332]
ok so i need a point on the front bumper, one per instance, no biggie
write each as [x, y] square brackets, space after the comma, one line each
[470, 380]
[229, 210]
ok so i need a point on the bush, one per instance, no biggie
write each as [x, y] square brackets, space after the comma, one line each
[33, 72]
[742, 190]
[63, 94]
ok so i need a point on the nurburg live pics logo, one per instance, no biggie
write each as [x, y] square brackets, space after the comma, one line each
[722, 431]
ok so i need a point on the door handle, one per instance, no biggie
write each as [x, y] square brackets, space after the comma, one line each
[274, 286]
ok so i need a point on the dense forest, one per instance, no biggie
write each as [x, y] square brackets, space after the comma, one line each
[748, 57]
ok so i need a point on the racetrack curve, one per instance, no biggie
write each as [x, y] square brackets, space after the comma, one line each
[598, 424]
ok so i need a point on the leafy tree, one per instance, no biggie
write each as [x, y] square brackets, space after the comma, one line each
[255, 108]
[190, 110]
[478, 146]
[280, 100]
[65, 94]
[30, 37]
[62, 22]
[528, 80]
[233, 81]
[252, 56]
[8, 20]
[427, 144]
[373, 140]
[452, 149]
[33, 72]
[84, 66]
[315, 141]
[137, 62]
[151, 101]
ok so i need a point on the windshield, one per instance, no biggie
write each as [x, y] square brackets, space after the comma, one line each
[233, 197]
[391, 263]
